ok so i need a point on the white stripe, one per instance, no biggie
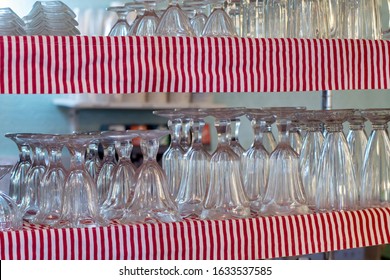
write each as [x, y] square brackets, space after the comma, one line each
[151, 70]
[355, 71]
[121, 74]
[38, 62]
[321, 50]
[256, 79]
[172, 66]
[121, 242]
[375, 217]
[22, 246]
[172, 234]
[14, 58]
[221, 238]
[282, 244]
[381, 61]
[216, 42]
[13, 237]
[376, 74]
[83, 65]
[45, 244]
[385, 222]
[338, 231]
[68, 63]
[136, 248]
[316, 246]
[276, 234]
[113, 75]
[83, 241]
[248, 46]
[328, 246]
[359, 222]
[128, 76]
[157, 236]
[282, 51]
[338, 74]
[143, 238]
[115, 240]
[61, 245]
[241, 67]
[305, 63]
[61, 73]
[343, 70]
[289, 52]
[107, 73]
[165, 249]
[186, 240]
[98, 74]
[248, 237]
[243, 236]
[306, 228]
[215, 237]
[75, 245]
[291, 242]
[142, 83]
[350, 72]
[333, 227]
[90, 245]
[157, 54]
[30, 241]
[274, 58]
[228, 65]
[5, 64]
[180, 62]
[200, 64]
[363, 65]
[6, 246]
[387, 62]
[268, 61]
[207, 256]
[263, 228]
[200, 225]
[76, 79]
[235, 237]
[369, 63]
[91, 70]
[151, 237]
[257, 244]
[301, 50]
[206, 56]
[136, 64]
[314, 63]
[193, 245]
[164, 64]
[99, 238]
[191, 52]
[22, 68]
[127, 238]
[29, 62]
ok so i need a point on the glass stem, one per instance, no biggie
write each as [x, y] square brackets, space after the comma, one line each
[149, 148]
[223, 131]
[197, 129]
[284, 126]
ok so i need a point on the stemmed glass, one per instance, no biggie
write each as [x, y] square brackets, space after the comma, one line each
[121, 27]
[276, 18]
[107, 165]
[234, 141]
[10, 216]
[219, 23]
[195, 169]
[310, 153]
[31, 200]
[225, 197]
[295, 135]
[80, 205]
[147, 24]
[174, 22]
[285, 194]
[121, 190]
[173, 156]
[53, 183]
[255, 161]
[357, 143]
[268, 138]
[92, 159]
[17, 188]
[152, 201]
[198, 21]
[336, 188]
[376, 174]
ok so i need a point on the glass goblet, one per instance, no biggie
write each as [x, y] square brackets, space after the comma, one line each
[10, 216]
[195, 169]
[80, 205]
[285, 194]
[17, 188]
[234, 141]
[52, 188]
[310, 153]
[225, 197]
[336, 188]
[173, 156]
[92, 159]
[219, 23]
[121, 190]
[121, 27]
[255, 161]
[152, 201]
[375, 190]
[174, 22]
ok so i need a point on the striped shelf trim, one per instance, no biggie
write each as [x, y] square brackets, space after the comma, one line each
[81, 64]
[252, 238]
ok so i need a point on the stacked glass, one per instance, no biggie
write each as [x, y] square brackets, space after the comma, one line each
[10, 23]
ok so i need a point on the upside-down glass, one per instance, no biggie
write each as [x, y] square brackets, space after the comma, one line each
[174, 22]
[121, 27]
[255, 161]
[107, 165]
[234, 141]
[199, 19]
[253, 24]
[10, 216]
[285, 194]
[31, 201]
[376, 173]
[336, 188]
[17, 188]
[268, 138]
[173, 156]
[80, 206]
[295, 135]
[195, 169]
[219, 23]
[276, 19]
[52, 184]
[92, 159]
[121, 190]
[357, 143]
[309, 157]
[152, 201]
[225, 197]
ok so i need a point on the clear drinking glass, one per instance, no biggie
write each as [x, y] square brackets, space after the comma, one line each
[336, 188]
[121, 190]
[295, 135]
[255, 161]
[225, 197]
[234, 141]
[310, 153]
[276, 19]
[174, 22]
[121, 27]
[52, 186]
[17, 188]
[10, 216]
[173, 156]
[199, 19]
[31, 201]
[107, 166]
[268, 140]
[285, 194]
[92, 159]
[195, 169]
[219, 23]
[80, 206]
[254, 18]
[376, 173]
[357, 143]
[152, 201]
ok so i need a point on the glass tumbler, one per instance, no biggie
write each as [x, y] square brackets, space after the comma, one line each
[376, 173]
[336, 189]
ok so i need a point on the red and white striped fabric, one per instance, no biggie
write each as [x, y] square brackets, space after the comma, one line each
[79, 64]
[254, 238]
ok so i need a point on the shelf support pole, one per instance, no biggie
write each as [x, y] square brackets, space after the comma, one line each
[326, 103]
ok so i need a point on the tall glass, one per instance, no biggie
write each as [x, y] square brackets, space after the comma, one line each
[121, 27]
[225, 197]
[92, 159]
[196, 169]
[376, 173]
[174, 22]
[80, 206]
[219, 23]
[276, 19]
[336, 189]
[285, 194]
[152, 201]
[17, 188]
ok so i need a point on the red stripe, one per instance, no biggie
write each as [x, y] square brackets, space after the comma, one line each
[74, 67]
[18, 245]
[132, 243]
[303, 246]
[119, 241]
[43, 245]
[183, 77]
[378, 225]
[11, 67]
[95, 244]
[284, 50]
[81, 64]
[323, 81]
[2, 245]
[363, 226]
[125, 54]
[383, 224]
[230, 66]
[290, 236]
[118, 60]
[374, 63]
[34, 67]
[306, 64]
[297, 46]
[257, 77]
[88, 240]
[251, 245]
[152, 87]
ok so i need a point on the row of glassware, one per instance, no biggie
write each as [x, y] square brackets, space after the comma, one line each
[347, 19]
[321, 171]
[45, 18]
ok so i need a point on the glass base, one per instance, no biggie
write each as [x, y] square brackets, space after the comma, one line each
[225, 214]
[82, 223]
[150, 217]
[273, 209]
[113, 213]
[187, 210]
